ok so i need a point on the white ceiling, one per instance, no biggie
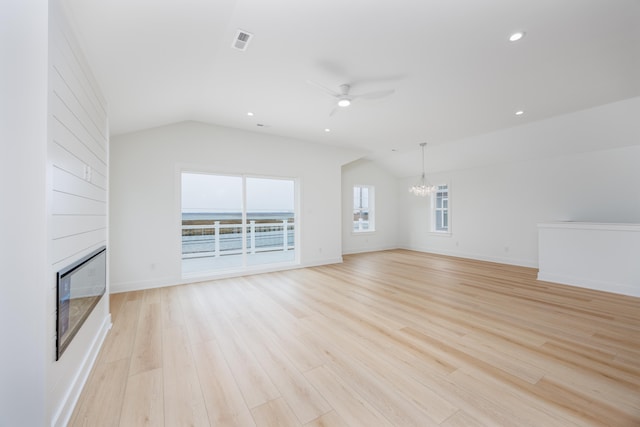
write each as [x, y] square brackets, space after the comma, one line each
[454, 72]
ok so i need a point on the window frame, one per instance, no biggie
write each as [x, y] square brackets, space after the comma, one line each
[433, 228]
[371, 198]
[245, 267]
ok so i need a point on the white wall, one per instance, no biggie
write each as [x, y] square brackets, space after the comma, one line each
[44, 109]
[23, 246]
[366, 172]
[591, 255]
[77, 184]
[145, 193]
[495, 208]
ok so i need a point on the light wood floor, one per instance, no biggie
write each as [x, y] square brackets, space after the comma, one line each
[394, 338]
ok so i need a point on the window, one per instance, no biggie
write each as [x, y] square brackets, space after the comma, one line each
[232, 222]
[363, 208]
[440, 209]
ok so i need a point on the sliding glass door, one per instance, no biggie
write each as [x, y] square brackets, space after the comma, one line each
[270, 224]
[234, 222]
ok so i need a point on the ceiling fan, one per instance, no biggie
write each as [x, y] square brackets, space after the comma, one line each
[344, 98]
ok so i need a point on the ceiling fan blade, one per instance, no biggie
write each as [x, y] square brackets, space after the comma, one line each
[375, 95]
[335, 109]
[324, 88]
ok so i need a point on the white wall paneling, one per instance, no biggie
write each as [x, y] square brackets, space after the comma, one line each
[62, 112]
[591, 255]
[68, 249]
[78, 204]
[69, 148]
[69, 183]
[67, 225]
[71, 204]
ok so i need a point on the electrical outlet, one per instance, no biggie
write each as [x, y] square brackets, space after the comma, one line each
[87, 173]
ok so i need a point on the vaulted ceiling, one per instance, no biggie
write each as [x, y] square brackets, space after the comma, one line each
[454, 71]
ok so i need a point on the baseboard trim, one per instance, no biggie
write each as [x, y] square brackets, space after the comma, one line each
[478, 257]
[141, 285]
[63, 416]
[324, 261]
[352, 251]
[596, 285]
[116, 288]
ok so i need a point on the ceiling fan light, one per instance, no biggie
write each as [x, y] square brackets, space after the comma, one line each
[344, 102]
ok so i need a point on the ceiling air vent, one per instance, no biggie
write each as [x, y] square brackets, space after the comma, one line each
[241, 40]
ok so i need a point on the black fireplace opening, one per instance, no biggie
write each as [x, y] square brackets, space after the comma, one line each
[80, 287]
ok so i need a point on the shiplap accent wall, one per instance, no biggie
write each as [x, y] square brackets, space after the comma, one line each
[78, 153]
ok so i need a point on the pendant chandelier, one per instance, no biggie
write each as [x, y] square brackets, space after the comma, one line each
[422, 188]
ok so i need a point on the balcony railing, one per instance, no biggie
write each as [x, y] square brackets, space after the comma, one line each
[361, 225]
[215, 240]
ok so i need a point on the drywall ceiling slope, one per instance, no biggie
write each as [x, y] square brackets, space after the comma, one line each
[604, 127]
[454, 72]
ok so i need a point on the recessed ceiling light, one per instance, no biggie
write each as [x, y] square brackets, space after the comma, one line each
[249, 113]
[519, 112]
[327, 130]
[516, 36]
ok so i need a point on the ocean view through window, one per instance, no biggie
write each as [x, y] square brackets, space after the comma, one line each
[235, 222]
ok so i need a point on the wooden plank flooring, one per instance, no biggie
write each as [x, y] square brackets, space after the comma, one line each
[393, 338]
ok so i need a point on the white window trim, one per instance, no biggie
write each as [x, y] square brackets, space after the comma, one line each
[372, 212]
[432, 210]
[181, 168]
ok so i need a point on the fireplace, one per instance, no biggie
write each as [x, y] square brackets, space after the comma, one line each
[80, 287]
